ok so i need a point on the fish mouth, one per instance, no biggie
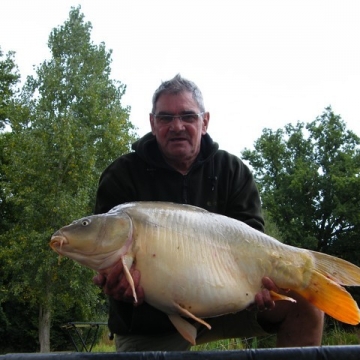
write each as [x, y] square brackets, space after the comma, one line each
[57, 241]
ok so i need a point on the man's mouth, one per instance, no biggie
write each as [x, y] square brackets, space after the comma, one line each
[176, 139]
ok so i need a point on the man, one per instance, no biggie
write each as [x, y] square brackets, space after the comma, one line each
[179, 162]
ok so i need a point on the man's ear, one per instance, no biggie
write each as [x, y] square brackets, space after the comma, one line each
[152, 119]
[205, 123]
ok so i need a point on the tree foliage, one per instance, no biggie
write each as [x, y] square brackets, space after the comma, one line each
[9, 78]
[68, 126]
[309, 179]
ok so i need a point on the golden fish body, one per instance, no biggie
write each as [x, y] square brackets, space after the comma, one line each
[199, 264]
[209, 264]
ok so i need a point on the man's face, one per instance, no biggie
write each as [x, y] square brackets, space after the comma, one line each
[178, 140]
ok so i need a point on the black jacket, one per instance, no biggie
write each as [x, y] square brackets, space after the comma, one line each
[218, 182]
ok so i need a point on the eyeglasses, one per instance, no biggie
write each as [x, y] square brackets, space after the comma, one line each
[186, 118]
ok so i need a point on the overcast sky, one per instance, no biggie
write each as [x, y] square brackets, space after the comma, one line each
[259, 63]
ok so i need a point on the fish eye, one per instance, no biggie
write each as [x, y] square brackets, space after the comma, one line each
[85, 222]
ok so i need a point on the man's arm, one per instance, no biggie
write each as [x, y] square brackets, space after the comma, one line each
[243, 198]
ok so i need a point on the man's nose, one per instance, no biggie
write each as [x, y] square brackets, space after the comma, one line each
[176, 124]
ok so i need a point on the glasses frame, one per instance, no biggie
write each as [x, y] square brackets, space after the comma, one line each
[167, 119]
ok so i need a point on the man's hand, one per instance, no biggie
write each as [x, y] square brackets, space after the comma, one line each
[263, 300]
[116, 285]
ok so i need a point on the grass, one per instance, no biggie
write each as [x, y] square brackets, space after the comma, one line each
[103, 348]
[229, 344]
[337, 336]
[334, 335]
[238, 344]
[104, 344]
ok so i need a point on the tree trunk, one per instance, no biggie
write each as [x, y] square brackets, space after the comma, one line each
[44, 328]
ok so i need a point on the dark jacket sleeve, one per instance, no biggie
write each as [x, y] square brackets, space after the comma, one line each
[115, 186]
[245, 203]
[238, 192]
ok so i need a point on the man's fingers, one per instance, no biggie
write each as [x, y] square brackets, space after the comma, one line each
[113, 277]
[116, 285]
[264, 301]
[269, 284]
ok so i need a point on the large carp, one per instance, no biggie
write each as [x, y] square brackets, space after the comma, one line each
[198, 264]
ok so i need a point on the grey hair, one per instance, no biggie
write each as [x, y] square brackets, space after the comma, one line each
[177, 85]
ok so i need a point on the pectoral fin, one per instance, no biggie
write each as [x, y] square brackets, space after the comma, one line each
[127, 261]
[275, 296]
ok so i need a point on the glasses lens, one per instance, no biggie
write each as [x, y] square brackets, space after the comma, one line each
[189, 118]
[164, 119]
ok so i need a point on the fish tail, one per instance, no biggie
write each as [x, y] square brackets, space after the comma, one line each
[332, 298]
[339, 270]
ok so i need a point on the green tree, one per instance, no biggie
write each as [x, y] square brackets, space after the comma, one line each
[72, 126]
[9, 78]
[309, 179]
